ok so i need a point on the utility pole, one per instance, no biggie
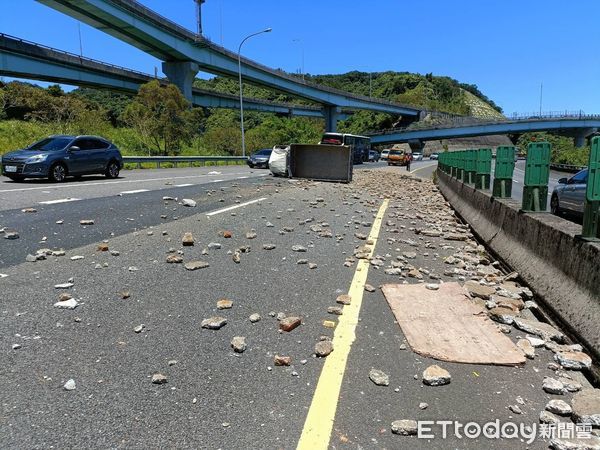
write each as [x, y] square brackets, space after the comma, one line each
[80, 45]
[199, 15]
[541, 92]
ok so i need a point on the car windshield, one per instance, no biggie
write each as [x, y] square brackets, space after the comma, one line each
[50, 144]
[265, 152]
[580, 177]
[396, 152]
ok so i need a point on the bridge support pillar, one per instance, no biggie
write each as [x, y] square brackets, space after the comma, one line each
[181, 74]
[581, 136]
[332, 115]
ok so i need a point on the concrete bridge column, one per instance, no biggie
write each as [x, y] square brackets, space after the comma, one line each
[181, 74]
[332, 114]
[581, 136]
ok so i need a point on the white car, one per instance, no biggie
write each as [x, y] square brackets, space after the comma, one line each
[384, 154]
[417, 156]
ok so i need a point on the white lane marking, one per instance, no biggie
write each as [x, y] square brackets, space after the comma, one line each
[183, 185]
[515, 181]
[137, 191]
[241, 178]
[102, 183]
[229, 208]
[423, 167]
[216, 181]
[61, 200]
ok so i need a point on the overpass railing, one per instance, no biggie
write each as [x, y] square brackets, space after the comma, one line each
[175, 160]
[474, 167]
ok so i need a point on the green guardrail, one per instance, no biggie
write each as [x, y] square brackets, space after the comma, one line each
[503, 172]
[483, 170]
[537, 176]
[591, 212]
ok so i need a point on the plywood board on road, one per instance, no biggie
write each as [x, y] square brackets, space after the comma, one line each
[446, 325]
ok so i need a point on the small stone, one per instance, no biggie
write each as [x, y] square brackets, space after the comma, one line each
[432, 286]
[159, 378]
[289, 323]
[328, 324]
[195, 265]
[214, 323]
[174, 259]
[125, 294]
[573, 360]
[63, 285]
[526, 347]
[250, 235]
[479, 290]
[254, 317]
[423, 405]
[16, 346]
[323, 348]
[502, 315]
[343, 299]
[64, 296]
[414, 273]
[559, 407]
[535, 342]
[224, 304]
[298, 248]
[59, 222]
[188, 202]
[405, 427]
[543, 330]
[227, 234]
[30, 258]
[187, 240]
[552, 386]
[238, 343]
[214, 246]
[312, 266]
[436, 376]
[77, 257]
[172, 362]
[139, 328]
[549, 418]
[114, 253]
[379, 378]
[67, 304]
[268, 246]
[86, 222]
[369, 288]
[282, 360]
[337, 310]
[103, 247]
[515, 409]
[70, 385]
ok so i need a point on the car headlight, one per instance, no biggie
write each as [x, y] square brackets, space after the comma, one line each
[36, 159]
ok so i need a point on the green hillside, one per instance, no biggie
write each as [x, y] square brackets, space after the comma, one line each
[28, 112]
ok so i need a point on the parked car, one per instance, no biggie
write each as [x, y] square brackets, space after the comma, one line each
[569, 195]
[60, 156]
[417, 156]
[384, 154]
[373, 156]
[260, 158]
[434, 156]
[398, 158]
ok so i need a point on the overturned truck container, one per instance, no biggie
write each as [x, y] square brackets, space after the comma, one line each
[316, 162]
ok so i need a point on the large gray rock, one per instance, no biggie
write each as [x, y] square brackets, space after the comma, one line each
[552, 386]
[541, 329]
[559, 407]
[573, 360]
[586, 407]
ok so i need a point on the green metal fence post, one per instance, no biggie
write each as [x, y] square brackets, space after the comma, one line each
[483, 169]
[471, 166]
[537, 175]
[461, 166]
[591, 212]
[503, 172]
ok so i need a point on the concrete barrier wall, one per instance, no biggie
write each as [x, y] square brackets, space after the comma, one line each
[564, 272]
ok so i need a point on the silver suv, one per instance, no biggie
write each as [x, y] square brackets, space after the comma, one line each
[569, 195]
[57, 157]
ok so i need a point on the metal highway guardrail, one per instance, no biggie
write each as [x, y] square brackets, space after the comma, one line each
[566, 168]
[158, 160]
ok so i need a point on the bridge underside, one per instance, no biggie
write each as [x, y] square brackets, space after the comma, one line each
[579, 129]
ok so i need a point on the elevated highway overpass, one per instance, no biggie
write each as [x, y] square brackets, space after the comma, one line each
[23, 59]
[185, 53]
[578, 127]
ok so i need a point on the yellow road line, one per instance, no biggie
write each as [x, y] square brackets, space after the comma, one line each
[319, 421]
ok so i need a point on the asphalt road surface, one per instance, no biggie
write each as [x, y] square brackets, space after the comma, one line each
[215, 398]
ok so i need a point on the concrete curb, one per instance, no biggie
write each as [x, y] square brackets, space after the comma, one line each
[562, 270]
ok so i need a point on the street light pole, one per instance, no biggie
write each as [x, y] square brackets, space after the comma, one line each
[299, 41]
[267, 30]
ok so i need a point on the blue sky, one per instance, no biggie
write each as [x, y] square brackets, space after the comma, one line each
[507, 48]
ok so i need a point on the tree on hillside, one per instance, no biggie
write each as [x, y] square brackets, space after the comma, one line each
[162, 117]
